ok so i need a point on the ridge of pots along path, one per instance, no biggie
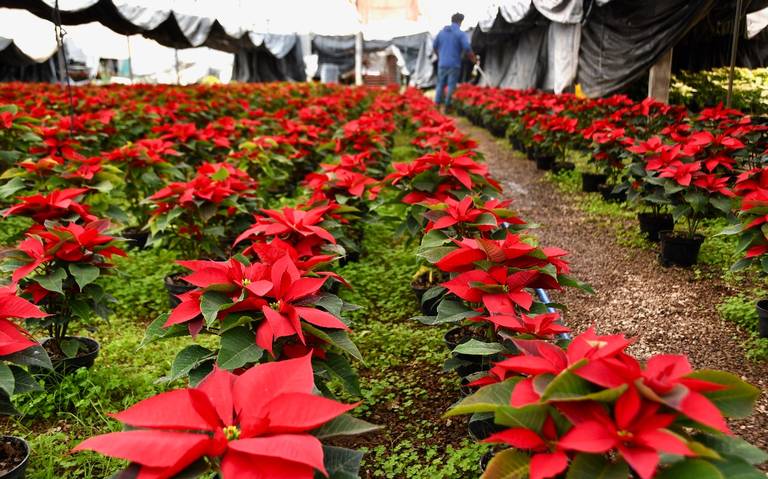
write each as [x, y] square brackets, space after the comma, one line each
[665, 309]
[211, 173]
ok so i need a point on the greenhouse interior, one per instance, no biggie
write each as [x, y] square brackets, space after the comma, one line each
[401, 239]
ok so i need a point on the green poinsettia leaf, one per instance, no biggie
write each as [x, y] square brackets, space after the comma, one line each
[508, 464]
[596, 466]
[486, 399]
[736, 400]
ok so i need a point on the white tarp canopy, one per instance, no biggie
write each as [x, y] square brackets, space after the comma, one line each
[91, 42]
[32, 35]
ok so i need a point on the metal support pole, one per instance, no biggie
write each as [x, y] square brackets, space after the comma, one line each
[734, 49]
[130, 59]
[359, 58]
[176, 57]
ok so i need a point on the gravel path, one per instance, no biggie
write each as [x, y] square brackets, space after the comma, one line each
[666, 309]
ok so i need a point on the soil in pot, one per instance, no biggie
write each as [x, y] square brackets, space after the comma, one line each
[762, 318]
[14, 456]
[679, 249]
[545, 162]
[590, 182]
[175, 286]
[651, 224]
[610, 196]
[460, 335]
[137, 238]
[84, 358]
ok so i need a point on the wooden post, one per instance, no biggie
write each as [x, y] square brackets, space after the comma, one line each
[661, 78]
[359, 58]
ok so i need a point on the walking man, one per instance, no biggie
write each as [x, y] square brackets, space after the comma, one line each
[450, 45]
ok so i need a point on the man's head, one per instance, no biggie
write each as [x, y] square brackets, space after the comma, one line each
[457, 18]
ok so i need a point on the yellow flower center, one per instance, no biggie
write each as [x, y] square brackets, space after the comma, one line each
[231, 433]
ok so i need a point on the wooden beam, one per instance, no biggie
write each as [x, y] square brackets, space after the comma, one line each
[660, 78]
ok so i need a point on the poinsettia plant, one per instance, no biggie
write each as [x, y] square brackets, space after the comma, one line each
[752, 189]
[58, 205]
[491, 291]
[197, 216]
[683, 183]
[470, 217]
[306, 227]
[434, 177]
[590, 406]
[17, 134]
[269, 158]
[273, 308]
[265, 422]
[146, 165]
[58, 266]
[17, 349]
[607, 141]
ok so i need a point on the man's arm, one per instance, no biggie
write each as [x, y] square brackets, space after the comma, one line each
[467, 48]
[436, 45]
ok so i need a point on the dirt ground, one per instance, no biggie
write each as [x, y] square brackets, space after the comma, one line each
[666, 309]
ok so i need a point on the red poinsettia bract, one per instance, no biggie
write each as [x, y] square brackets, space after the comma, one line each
[256, 425]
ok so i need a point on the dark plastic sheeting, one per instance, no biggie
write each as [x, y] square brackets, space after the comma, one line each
[624, 38]
[416, 50]
[167, 27]
[258, 57]
[15, 65]
[621, 40]
[260, 65]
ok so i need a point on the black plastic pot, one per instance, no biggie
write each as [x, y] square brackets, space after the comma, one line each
[590, 182]
[651, 224]
[464, 387]
[563, 166]
[473, 364]
[498, 130]
[428, 307]
[762, 317]
[545, 162]
[18, 445]
[455, 336]
[485, 460]
[679, 250]
[137, 238]
[350, 257]
[69, 365]
[176, 286]
[610, 196]
[481, 426]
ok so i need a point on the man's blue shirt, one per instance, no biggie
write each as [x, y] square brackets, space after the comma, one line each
[451, 44]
